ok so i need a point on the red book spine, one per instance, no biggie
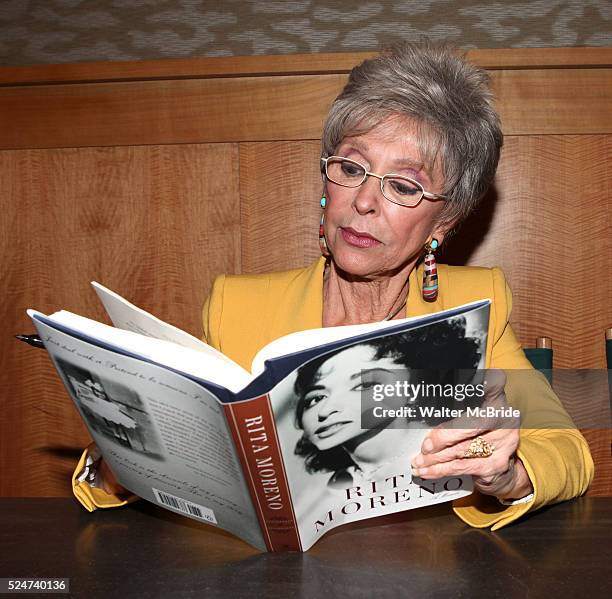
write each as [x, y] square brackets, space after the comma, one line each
[254, 431]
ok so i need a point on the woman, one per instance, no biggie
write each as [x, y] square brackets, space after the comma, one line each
[409, 149]
[343, 434]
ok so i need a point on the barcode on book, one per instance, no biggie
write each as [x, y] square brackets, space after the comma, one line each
[187, 507]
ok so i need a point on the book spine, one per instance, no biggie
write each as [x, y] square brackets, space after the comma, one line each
[254, 431]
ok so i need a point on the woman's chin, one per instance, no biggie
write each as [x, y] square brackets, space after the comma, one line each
[357, 264]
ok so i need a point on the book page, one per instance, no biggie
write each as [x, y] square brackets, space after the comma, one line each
[129, 317]
[347, 452]
[164, 436]
[211, 367]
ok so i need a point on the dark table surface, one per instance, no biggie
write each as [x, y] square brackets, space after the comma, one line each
[144, 551]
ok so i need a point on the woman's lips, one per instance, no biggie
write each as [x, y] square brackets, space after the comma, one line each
[357, 239]
[330, 429]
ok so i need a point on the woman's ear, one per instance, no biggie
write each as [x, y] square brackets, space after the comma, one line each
[442, 230]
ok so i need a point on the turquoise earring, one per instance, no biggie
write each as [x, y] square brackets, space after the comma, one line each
[430, 272]
[322, 241]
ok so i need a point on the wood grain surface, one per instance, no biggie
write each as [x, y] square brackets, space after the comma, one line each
[153, 223]
[154, 186]
[156, 553]
[548, 224]
[284, 64]
[280, 189]
[268, 108]
[167, 112]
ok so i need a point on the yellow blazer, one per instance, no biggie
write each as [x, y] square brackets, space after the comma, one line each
[243, 313]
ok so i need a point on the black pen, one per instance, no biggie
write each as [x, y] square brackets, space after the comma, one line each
[33, 340]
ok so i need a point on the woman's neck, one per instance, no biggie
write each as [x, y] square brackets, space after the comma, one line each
[353, 300]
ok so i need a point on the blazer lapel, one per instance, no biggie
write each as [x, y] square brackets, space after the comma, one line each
[301, 307]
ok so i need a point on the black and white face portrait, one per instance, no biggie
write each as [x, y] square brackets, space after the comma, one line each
[333, 406]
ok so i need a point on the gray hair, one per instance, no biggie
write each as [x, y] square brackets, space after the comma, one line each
[445, 97]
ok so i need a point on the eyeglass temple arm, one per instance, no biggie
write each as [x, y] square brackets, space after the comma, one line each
[433, 196]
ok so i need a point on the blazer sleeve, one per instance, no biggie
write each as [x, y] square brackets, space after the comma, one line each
[555, 454]
[87, 494]
[211, 313]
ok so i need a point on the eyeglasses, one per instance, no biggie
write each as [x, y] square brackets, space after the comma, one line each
[396, 188]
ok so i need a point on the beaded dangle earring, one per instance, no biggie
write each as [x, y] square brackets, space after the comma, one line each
[430, 272]
[322, 241]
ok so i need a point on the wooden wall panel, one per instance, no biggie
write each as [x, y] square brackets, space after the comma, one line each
[280, 189]
[554, 100]
[136, 219]
[167, 112]
[284, 64]
[548, 224]
[267, 108]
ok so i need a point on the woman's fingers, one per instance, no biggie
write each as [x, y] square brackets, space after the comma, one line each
[448, 454]
[474, 467]
[439, 439]
[444, 449]
[500, 440]
[482, 468]
[493, 416]
[452, 460]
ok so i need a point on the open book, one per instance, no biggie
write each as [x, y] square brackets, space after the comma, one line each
[321, 431]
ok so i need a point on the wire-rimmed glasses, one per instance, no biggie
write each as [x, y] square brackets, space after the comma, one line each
[396, 188]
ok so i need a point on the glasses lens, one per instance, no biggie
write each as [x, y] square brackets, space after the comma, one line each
[402, 191]
[345, 172]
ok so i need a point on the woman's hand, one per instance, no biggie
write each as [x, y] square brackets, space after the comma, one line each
[502, 473]
[106, 480]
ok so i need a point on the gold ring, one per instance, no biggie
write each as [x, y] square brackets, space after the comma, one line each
[479, 448]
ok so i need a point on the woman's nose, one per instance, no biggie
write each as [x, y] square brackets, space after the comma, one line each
[327, 407]
[368, 196]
